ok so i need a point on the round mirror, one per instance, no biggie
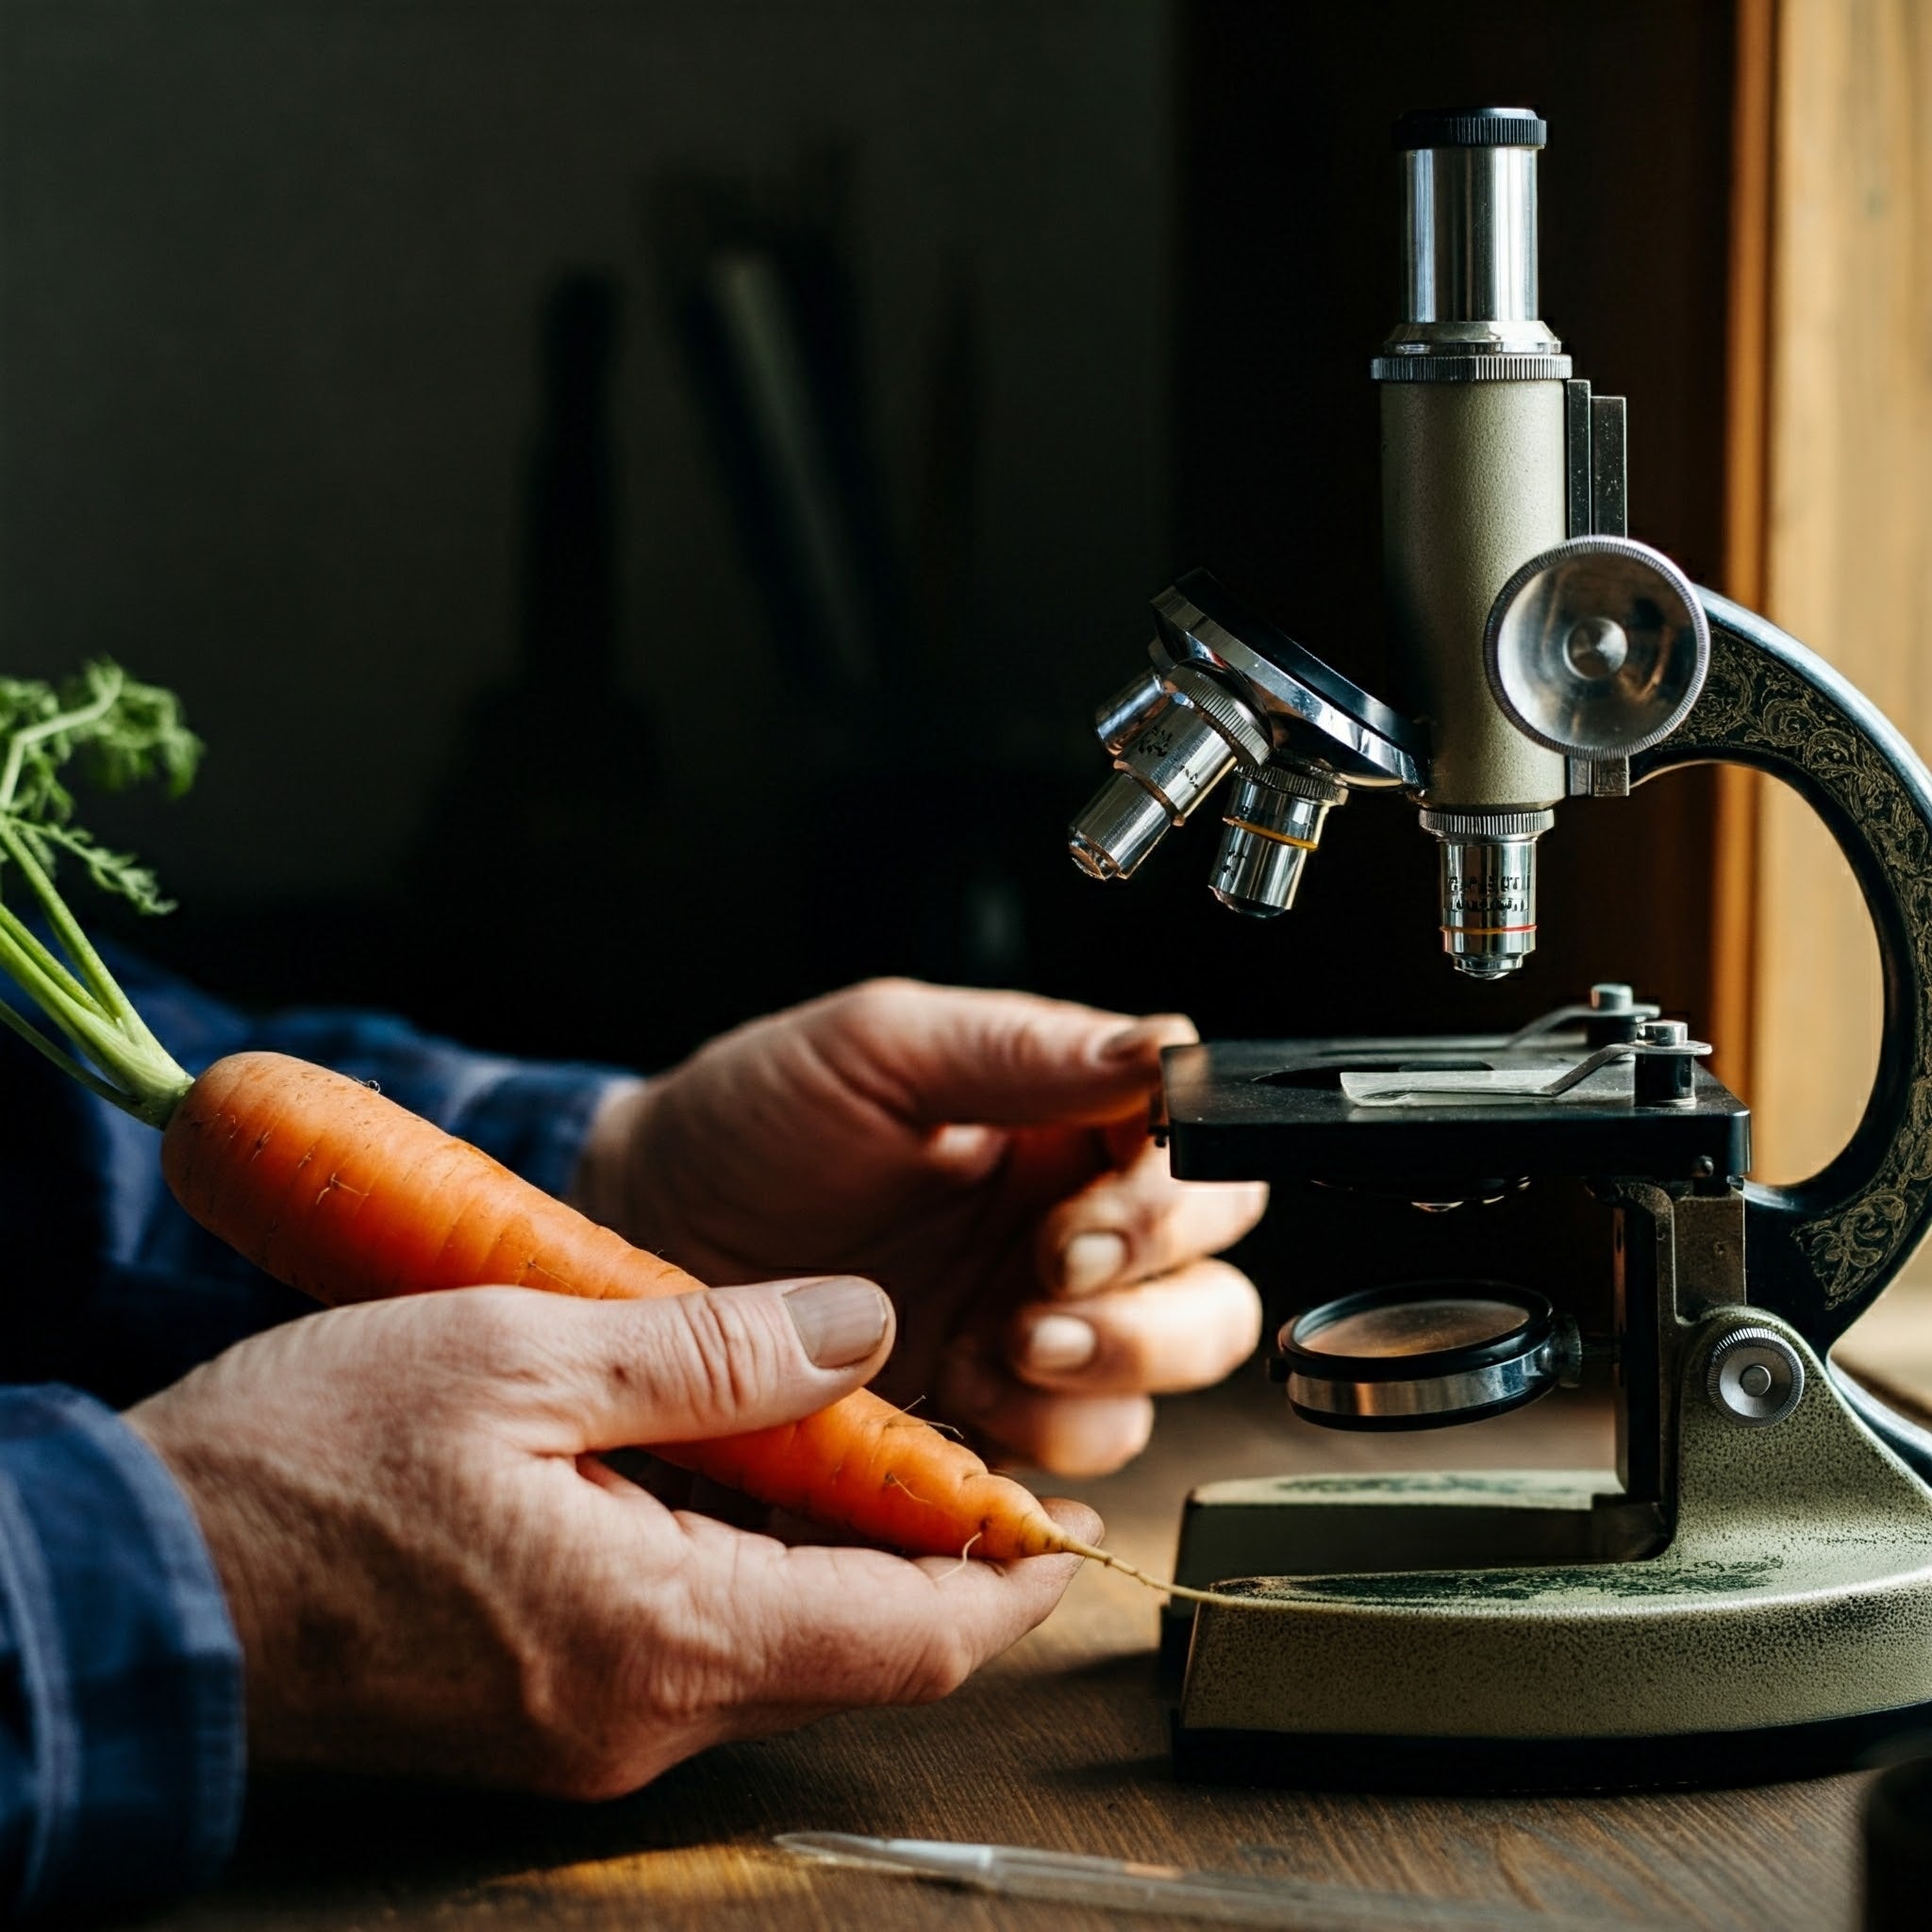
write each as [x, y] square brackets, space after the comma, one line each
[1422, 1355]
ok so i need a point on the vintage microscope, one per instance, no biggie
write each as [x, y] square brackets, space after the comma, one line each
[1748, 1592]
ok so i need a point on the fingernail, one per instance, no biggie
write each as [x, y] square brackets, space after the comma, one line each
[841, 1322]
[1059, 1342]
[1135, 1041]
[1088, 1260]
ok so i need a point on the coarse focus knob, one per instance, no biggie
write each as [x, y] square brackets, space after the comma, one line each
[1754, 1377]
[1597, 648]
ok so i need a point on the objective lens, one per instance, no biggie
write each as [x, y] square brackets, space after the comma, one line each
[1180, 758]
[1182, 750]
[1122, 824]
[1488, 887]
[1273, 825]
[1135, 705]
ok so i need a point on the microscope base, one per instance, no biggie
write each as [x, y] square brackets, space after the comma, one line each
[1785, 1629]
[1375, 1762]
[1419, 1520]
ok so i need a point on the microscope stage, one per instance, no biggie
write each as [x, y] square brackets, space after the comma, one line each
[1276, 1109]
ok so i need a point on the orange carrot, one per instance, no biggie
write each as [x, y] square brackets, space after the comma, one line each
[331, 1187]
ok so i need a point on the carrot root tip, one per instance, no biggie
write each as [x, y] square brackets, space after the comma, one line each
[1071, 1547]
[965, 1557]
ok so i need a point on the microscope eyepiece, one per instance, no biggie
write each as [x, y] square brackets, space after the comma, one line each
[1469, 246]
[1470, 127]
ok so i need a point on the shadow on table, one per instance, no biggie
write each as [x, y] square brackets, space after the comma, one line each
[951, 1771]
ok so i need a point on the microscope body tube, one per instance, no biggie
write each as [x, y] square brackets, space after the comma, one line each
[1474, 484]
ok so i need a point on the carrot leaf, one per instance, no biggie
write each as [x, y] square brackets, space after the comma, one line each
[111, 732]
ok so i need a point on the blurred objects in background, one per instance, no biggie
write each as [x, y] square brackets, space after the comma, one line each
[872, 408]
[887, 361]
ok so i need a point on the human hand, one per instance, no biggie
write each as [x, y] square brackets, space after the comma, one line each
[432, 1571]
[984, 1157]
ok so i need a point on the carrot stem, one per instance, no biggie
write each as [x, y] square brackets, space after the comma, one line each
[49, 963]
[65, 1061]
[115, 1004]
[135, 1072]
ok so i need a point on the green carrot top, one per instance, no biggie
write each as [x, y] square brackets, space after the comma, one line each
[112, 733]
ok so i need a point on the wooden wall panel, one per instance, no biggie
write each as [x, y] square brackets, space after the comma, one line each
[1845, 506]
[1737, 803]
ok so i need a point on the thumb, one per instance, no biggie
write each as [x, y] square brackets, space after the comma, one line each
[718, 1362]
[949, 1055]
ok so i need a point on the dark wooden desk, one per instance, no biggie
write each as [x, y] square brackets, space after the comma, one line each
[1061, 1743]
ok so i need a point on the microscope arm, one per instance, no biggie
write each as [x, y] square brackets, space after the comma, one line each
[1904, 1437]
[1821, 1249]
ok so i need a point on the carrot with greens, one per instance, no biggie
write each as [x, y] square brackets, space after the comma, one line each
[342, 1193]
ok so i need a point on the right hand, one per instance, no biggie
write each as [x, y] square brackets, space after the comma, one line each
[432, 1571]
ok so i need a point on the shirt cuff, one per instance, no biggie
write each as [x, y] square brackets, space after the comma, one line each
[120, 1687]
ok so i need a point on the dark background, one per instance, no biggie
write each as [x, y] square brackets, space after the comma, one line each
[365, 376]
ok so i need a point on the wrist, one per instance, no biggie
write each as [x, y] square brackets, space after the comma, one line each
[605, 1184]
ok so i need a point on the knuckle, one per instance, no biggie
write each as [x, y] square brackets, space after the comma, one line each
[494, 1332]
[1153, 1225]
[877, 1006]
[942, 1663]
[1138, 1358]
[1246, 1321]
[720, 1359]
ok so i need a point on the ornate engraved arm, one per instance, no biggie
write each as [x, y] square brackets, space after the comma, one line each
[1820, 1251]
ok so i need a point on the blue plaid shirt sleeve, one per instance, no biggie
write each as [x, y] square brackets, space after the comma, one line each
[120, 1680]
[121, 1738]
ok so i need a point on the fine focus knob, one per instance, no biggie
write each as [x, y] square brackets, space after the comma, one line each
[1754, 1377]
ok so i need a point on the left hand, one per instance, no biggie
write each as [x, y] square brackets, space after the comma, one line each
[984, 1157]
[432, 1568]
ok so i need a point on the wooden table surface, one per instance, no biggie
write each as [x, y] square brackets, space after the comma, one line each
[1061, 1743]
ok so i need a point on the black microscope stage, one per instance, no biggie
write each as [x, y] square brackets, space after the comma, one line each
[1275, 1109]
